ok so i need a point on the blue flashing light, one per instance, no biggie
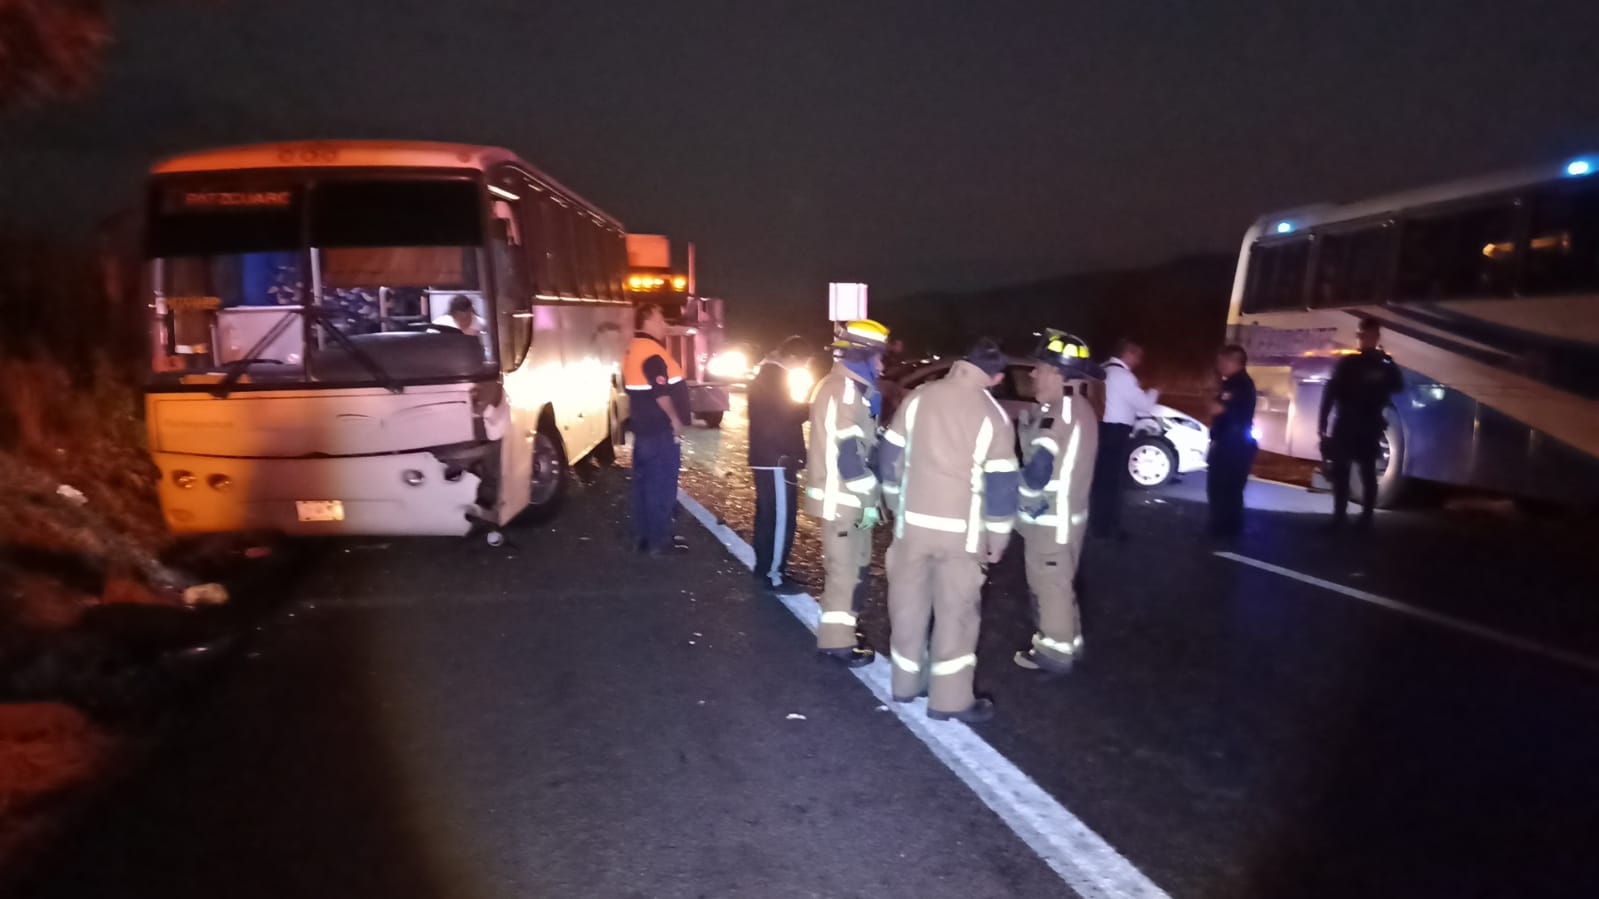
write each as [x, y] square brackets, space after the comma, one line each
[1579, 167]
[1285, 227]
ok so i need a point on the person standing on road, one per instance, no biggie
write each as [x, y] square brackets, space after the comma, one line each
[1356, 398]
[658, 406]
[949, 466]
[1126, 401]
[1058, 450]
[841, 487]
[1232, 443]
[776, 452]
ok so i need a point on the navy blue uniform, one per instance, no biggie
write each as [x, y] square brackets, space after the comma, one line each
[1232, 453]
[649, 373]
[1359, 391]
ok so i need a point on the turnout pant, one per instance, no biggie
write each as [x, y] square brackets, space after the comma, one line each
[776, 495]
[1110, 472]
[656, 459]
[1357, 450]
[1228, 472]
[847, 558]
[1052, 583]
[934, 597]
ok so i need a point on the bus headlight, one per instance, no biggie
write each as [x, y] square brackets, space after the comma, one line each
[219, 482]
[412, 477]
[184, 479]
[800, 382]
[728, 365]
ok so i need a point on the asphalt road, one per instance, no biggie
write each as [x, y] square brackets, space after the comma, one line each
[557, 717]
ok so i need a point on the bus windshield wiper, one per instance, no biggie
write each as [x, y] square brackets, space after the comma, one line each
[237, 367]
[384, 379]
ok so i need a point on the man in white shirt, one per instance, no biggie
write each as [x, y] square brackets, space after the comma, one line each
[1125, 402]
[462, 317]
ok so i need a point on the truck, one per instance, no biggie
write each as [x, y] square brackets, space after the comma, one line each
[695, 333]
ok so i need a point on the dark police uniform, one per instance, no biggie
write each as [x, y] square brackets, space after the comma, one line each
[776, 453]
[1359, 390]
[648, 373]
[1232, 453]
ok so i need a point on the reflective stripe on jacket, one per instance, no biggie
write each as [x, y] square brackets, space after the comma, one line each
[843, 439]
[1058, 466]
[949, 462]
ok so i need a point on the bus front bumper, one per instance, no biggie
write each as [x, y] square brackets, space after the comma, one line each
[401, 494]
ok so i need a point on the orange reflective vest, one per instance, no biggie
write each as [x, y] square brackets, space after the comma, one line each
[638, 352]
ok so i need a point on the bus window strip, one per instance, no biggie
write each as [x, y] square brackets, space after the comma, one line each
[1522, 202]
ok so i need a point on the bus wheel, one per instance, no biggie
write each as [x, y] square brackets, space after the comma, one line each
[549, 473]
[712, 419]
[1390, 461]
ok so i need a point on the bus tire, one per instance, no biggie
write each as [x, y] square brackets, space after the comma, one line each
[547, 491]
[712, 419]
[1390, 482]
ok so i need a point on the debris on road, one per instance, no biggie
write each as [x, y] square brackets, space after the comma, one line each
[795, 716]
[72, 495]
[205, 595]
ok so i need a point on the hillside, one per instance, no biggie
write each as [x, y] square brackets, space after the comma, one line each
[1178, 310]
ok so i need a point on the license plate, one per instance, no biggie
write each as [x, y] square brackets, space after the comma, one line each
[320, 509]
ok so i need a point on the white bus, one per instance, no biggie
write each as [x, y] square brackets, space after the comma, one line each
[308, 374]
[1488, 294]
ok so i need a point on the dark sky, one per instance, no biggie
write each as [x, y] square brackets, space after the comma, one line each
[907, 143]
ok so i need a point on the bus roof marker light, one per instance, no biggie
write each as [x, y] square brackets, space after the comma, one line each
[1576, 168]
[1285, 227]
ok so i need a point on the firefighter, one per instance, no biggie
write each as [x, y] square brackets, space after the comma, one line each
[658, 407]
[841, 488]
[949, 468]
[1058, 451]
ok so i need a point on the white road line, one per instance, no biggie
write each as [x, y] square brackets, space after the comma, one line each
[1450, 622]
[1084, 860]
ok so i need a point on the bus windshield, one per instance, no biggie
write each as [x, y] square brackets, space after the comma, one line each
[342, 281]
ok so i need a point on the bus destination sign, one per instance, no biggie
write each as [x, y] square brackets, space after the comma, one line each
[199, 200]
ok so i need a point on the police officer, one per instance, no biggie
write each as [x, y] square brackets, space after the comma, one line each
[841, 487]
[949, 464]
[1358, 393]
[1058, 452]
[1232, 443]
[658, 407]
[776, 452]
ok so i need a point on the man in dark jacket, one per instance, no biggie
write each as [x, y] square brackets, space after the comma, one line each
[1360, 389]
[1232, 443]
[776, 454]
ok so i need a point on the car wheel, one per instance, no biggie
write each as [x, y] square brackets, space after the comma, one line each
[712, 419]
[1151, 462]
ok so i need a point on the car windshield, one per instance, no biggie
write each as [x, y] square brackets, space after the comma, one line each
[345, 281]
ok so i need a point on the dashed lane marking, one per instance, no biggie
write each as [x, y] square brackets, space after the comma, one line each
[1081, 857]
[1437, 619]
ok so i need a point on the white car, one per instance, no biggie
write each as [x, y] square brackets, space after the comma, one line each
[1166, 444]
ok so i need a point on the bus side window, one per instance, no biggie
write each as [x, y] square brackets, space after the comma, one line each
[1462, 253]
[1352, 266]
[583, 255]
[1562, 250]
[512, 301]
[557, 234]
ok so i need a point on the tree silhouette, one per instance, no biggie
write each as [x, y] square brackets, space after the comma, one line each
[50, 49]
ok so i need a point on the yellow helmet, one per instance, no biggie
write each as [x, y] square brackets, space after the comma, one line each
[1067, 352]
[861, 334]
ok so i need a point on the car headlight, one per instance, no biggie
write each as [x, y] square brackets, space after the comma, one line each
[800, 382]
[1172, 421]
[728, 365]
